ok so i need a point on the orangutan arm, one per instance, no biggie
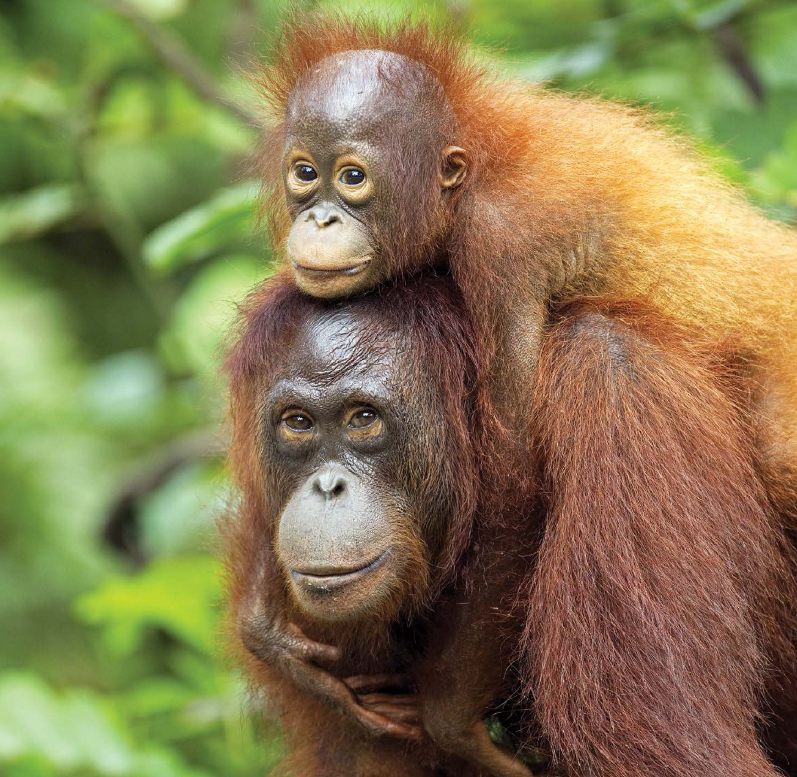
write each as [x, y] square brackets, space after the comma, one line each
[660, 581]
[270, 637]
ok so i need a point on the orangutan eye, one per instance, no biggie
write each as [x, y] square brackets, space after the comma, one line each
[305, 173]
[352, 176]
[297, 422]
[363, 418]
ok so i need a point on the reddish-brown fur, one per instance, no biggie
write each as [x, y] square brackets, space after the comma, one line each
[438, 344]
[660, 610]
[659, 615]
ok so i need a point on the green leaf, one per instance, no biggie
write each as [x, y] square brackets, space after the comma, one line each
[179, 516]
[205, 311]
[12, 745]
[96, 735]
[164, 763]
[36, 211]
[124, 389]
[227, 218]
[156, 696]
[31, 712]
[30, 766]
[30, 93]
[718, 13]
[575, 62]
[160, 9]
[176, 594]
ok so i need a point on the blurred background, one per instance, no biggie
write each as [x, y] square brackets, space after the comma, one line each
[126, 239]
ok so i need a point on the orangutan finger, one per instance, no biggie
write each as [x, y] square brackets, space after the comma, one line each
[397, 714]
[379, 724]
[378, 682]
[309, 650]
[370, 699]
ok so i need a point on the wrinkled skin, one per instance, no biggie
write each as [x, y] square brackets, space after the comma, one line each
[336, 437]
[334, 443]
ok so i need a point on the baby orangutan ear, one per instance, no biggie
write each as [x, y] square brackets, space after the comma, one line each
[453, 168]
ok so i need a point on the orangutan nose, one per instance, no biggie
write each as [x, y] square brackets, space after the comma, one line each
[325, 215]
[330, 482]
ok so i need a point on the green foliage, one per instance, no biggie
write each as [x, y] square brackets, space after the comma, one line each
[201, 231]
[172, 594]
[37, 211]
[127, 238]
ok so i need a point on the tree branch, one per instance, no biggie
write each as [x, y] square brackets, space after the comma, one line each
[120, 527]
[732, 50]
[177, 57]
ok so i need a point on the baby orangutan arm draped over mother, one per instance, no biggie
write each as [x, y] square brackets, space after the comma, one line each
[651, 622]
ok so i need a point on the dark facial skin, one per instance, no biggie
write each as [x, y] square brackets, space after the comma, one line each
[334, 436]
[341, 176]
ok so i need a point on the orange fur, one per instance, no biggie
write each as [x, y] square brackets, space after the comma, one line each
[434, 509]
[657, 631]
[653, 577]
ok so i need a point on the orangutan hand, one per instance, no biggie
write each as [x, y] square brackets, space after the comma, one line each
[307, 663]
[373, 694]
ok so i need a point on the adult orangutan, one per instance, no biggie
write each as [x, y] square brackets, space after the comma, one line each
[394, 150]
[632, 614]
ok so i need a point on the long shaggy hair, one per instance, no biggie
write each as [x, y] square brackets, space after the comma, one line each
[662, 611]
[420, 324]
[546, 168]
[659, 604]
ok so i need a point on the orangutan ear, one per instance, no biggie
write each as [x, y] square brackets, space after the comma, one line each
[453, 168]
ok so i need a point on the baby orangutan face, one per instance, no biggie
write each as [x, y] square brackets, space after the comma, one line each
[365, 170]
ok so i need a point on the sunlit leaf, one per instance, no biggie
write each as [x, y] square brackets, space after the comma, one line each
[150, 179]
[94, 732]
[157, 695]
[30, 711]
[577, 62]
[717, 13]
[31, 93]
[209, 228]
[38, 210]
[160, 9]
[175, 594]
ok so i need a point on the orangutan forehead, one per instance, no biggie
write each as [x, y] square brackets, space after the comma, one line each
[353, 85]
[341, 343]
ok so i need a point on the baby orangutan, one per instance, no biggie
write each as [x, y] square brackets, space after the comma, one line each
[393, 149]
